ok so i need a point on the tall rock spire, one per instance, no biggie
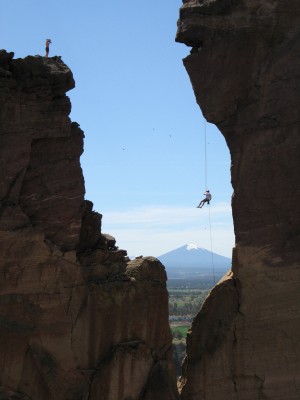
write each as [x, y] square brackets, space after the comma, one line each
[244, 70]
[78, 320]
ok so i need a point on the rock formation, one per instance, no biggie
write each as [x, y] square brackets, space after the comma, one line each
[244, 68]
[78, 320]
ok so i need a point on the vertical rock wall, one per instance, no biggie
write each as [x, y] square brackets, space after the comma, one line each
[244, 68]
[78, 321]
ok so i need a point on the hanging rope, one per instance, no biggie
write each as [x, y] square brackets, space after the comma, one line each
[211, 247]
[205, 156]
[205, 179]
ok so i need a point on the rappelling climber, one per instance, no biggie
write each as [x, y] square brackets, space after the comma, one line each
[207, 199]
[48, 42]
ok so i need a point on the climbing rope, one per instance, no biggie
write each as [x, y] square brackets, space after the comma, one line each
[205, 156]
[209, 218]
[211, 247]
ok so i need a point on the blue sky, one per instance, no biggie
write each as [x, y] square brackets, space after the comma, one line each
[144, 133]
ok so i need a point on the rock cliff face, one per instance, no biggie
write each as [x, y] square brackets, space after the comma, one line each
[77, 319]
[244, 68]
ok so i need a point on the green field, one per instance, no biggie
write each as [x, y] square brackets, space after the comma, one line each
[185, 300]
[179, 332]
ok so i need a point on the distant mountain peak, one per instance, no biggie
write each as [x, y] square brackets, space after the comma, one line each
[190, 256]
[191, 246]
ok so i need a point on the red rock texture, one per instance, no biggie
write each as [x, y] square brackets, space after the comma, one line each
[244, 68]
[78, 320]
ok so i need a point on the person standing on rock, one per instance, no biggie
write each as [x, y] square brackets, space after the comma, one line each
[207, 199]
[48, 42]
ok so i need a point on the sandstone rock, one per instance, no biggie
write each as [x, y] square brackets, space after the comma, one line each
[108, 242]
[7, 394]
[74, 322]
[147, 268]
[125, 358]
[243, 69]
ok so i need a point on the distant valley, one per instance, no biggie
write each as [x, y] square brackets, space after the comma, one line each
[192, 272]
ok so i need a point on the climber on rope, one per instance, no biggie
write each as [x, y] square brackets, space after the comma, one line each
[48, 42]
[207, 199]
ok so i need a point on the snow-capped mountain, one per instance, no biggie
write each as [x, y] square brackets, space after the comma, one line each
[191, 259]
